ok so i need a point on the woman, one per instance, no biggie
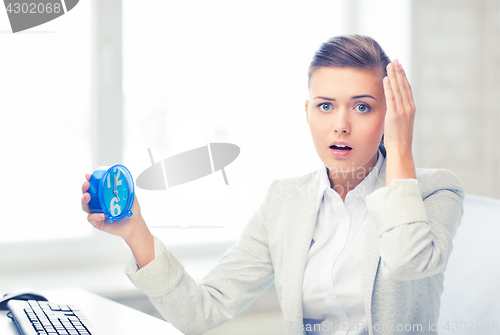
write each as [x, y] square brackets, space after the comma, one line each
[356, 247]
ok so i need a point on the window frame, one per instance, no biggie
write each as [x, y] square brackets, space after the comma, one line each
[107, 95]
[98, 248]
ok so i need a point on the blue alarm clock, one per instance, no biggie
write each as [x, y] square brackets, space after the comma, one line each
[112, 192]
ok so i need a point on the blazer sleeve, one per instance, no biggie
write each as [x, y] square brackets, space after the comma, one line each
[416, 226]
[244, 272]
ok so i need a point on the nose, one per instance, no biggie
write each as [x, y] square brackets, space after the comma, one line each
[341, 123]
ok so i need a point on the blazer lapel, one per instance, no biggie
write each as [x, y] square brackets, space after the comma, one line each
[371, 255]
[297, 240]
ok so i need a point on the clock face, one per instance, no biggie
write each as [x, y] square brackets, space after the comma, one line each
[115, 191]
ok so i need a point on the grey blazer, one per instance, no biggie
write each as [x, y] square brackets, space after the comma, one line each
[409, 236]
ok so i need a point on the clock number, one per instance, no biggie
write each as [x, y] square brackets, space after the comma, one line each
[115, 208]
[118, 182]
[109, 184]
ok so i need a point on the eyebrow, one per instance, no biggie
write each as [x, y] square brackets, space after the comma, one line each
[354, 97]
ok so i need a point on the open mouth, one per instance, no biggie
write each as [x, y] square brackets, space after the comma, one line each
[340, 147]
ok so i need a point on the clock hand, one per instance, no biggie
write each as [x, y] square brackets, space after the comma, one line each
[115, 191]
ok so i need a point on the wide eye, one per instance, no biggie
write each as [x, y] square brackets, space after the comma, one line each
[325, 107]
[363, 108]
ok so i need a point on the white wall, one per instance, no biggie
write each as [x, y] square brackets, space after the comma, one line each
[456, 82]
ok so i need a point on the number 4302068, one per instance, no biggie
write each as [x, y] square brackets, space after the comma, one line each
[34, 8]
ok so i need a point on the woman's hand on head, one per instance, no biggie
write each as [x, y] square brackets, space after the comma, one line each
[398, 124]
[124, 228]
[400, 114]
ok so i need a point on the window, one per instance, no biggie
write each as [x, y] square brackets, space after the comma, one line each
[44, 128]
[194, 72]
[388, 22]
[223, 71]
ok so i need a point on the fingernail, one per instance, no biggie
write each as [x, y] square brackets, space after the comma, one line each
[101, 216]
[400, 66]
[386, 80]
[391, 67]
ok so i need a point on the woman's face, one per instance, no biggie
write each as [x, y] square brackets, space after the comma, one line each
[346, 109]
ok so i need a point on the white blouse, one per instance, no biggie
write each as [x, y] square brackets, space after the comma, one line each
[332, 299]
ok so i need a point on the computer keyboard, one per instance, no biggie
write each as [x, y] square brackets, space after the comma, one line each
[34, 317]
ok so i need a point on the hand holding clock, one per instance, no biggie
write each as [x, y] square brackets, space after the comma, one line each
[123, 228]
[398, 126]
[133, 229]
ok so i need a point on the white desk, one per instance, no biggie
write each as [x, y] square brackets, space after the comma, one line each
[109, 317]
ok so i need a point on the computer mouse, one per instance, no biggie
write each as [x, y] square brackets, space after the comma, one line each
[20, 295]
